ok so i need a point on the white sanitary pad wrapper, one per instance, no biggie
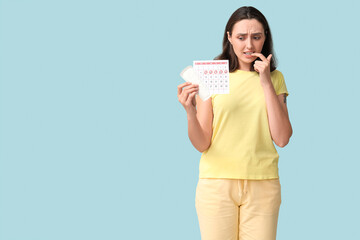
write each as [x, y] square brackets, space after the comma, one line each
[189, 75]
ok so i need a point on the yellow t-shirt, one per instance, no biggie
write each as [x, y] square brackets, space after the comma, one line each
[241, 144]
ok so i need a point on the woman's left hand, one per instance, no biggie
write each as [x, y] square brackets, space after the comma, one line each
[263, 67]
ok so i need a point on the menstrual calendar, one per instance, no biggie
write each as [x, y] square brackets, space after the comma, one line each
[214, 74]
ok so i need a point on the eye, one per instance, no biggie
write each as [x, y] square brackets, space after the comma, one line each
[257, 37]
[241, 38]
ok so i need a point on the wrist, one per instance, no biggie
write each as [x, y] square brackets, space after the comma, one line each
[191, 114]
[266, 82]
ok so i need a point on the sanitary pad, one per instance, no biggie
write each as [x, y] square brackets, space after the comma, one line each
[189, 75]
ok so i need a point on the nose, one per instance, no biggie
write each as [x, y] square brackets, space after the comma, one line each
[249, 43]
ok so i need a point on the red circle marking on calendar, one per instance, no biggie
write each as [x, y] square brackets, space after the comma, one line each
[221, 71]
[210, 72]
[225, 71]
[205, 72]
[215, 72]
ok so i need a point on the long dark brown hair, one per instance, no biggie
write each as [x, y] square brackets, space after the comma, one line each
[228, 51]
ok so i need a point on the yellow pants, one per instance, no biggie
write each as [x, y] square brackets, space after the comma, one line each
[238, 209]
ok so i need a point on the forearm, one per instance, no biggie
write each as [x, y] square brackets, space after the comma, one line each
[196, 133]
[279, 123]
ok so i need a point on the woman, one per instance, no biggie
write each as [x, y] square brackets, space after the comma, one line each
[238, 194]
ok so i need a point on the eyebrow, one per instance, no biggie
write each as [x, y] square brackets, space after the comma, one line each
[243, 34]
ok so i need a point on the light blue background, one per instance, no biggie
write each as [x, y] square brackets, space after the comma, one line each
[94, 142]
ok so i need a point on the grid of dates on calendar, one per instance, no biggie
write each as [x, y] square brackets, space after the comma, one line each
[214, 74]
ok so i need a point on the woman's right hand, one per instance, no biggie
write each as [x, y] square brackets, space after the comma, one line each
[186, 96]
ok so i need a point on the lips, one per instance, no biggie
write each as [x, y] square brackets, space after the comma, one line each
[249, 56]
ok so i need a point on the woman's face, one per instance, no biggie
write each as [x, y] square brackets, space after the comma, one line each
[247, 37]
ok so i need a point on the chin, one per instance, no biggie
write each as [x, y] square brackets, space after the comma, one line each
[248, 60]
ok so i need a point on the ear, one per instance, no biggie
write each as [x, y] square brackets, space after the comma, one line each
[228, 36]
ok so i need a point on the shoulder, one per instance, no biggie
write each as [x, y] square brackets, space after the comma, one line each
[276, 74]
[276, 77]
[278, 81]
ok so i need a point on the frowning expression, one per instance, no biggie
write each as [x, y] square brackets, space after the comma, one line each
[247, 37]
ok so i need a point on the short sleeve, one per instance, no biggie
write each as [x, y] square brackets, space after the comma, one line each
[278, 81]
